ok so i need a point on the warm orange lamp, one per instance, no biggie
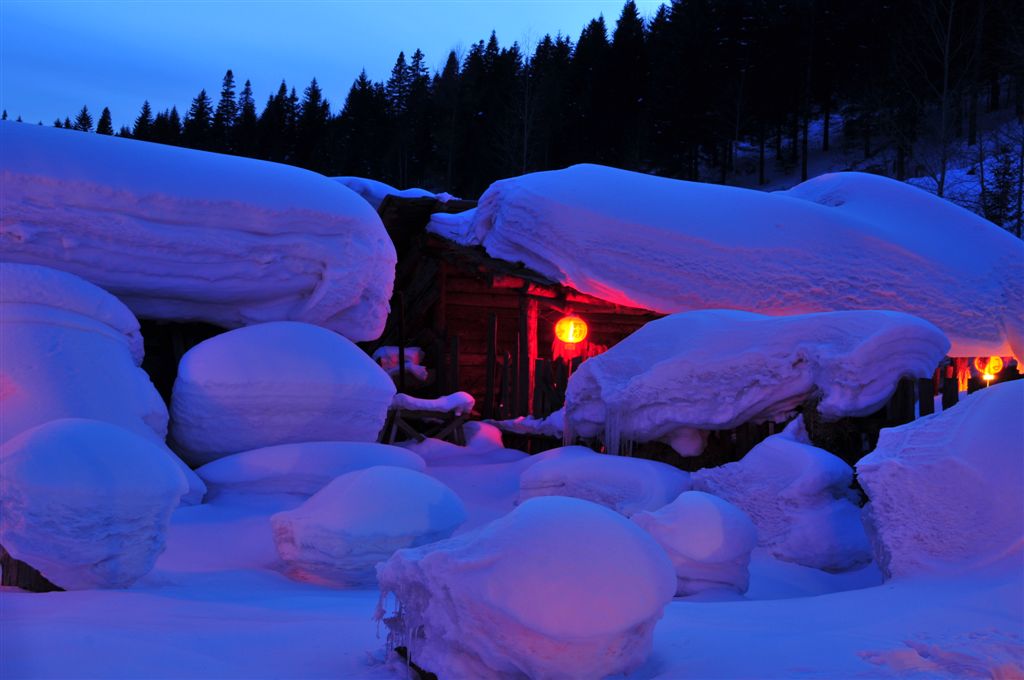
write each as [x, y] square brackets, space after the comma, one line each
[988, 367]
[571, 329]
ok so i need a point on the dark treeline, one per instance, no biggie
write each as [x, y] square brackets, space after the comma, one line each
[684, 94]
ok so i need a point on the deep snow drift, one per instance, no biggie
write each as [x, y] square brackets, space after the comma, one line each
[189, 235]
[716, 369]
[799, 497]
[945, 491]
[69, 349]
[86, 503]
[837, 242]
[301, 469]
[559, 587]
[374, 192]
[708, 540]
[339, 535]
[275, 383]
[626, 485]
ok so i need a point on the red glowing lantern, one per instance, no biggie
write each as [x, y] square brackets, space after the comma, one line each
[571, 329]
[988, 367]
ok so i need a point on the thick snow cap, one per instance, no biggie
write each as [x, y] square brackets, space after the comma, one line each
[716, 369]
[275, 383]
[837, 242]
[626, 485]
[180, 234]
[86, 503]
[339, 535]
[374, 192]
[945, 490]
[301, 469]
[558, 588]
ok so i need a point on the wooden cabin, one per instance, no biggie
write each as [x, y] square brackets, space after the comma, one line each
[487, 326]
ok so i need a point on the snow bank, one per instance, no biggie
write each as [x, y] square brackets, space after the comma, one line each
[374, 192]
[301, 469]
[708, 540]
[72, 350]
[187, 235]
[626, 485]
[837, 242]
[483, 447]
[361, 518]
[800, 499]
[716, 369]
[86, 503]
[275, 383]
[458, 402]
[387, 357]
[945, 490]
[557, 588]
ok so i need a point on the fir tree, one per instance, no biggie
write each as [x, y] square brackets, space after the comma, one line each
[311, 131]
[125, 131]
[244, 140]
[105, 126]
[143, 122]
[225, 116]
[67, 124]
[57, 123]
[196, 132]
[4, 116]
[83, 121]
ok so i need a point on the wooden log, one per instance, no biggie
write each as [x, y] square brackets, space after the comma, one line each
[490, 361]
[925, 396]
[950, 392]
[21, 575]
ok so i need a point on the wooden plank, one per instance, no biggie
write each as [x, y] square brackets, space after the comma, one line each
[489, 362]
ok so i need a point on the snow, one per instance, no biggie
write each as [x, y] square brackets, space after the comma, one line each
[551, 425]
[361, 518]
[459, 403]
[179, 234]
[559, 587]
[302, 468]
[945, 490]
[716, 369]
[483, 447]
[387, 357]
[837, 242]
[71, 350]
[86, 503]
[275, 383]
[800, 499]
[626, 485]
[374, 192]
[708, 540]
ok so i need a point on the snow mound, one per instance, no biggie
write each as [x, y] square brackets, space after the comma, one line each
[716, 369]
[799, 498]
[361, 518]
[276, 383]
[838, 242]
[72, 350]
[458, 403]
[374, 192]
[559, 587]
[301, 469]
[86, 503]
[945, 490]
[708, 540]
[180, 234]
[626, 485]
[483, 447]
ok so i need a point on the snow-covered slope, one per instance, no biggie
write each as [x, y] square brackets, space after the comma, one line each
[716, 369]
[188, 235]
[838, 242]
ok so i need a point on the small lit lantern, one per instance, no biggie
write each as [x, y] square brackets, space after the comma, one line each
[571, 329]
[988, 367]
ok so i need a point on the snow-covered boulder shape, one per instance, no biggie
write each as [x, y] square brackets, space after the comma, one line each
[800, 499]
[275, 383]
[72, 350]
[339, 535]
[945, 490]
[181, 234]
[86, 503]
[301, 469]
[558, 588]
[716, 369]
[837, 242]
[374, 192]
[626, 485]
[708, 540]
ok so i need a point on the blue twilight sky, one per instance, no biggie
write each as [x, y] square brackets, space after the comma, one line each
[57, 55]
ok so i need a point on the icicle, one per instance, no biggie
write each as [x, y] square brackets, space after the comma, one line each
[612, 429]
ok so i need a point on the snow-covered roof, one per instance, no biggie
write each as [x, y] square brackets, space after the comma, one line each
[188, 235]
[837, 242]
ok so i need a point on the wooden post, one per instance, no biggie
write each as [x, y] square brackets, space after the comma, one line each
[492, 339]
[453, 357]
[525, 362]
[400, 299]
[513, 404]
[21, 575]
[950, 392]
[925, 396]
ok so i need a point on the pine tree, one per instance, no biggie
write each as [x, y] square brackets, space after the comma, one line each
[311, 129]
[362, 130]
[198, 122]
[143, 122]
[225, 116]
[173, 127]
[627, 76]
[67, 124]
[124, 131]
[244, 132]
[4, 116]
[57, 123]
[83, 121]
[105, 126]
